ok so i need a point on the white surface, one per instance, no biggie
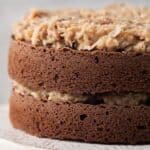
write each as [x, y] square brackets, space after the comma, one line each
[13, 10]
[7, 145]
[17, 140]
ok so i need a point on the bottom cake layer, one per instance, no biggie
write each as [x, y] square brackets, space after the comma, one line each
[100, 123]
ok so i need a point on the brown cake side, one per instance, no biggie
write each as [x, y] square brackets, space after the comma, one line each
[71, 71]
[85, 122]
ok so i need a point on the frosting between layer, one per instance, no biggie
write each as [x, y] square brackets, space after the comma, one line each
[112, 99]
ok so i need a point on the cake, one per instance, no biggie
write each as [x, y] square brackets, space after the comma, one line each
[83, 75]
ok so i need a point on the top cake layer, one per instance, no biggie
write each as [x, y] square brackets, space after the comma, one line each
[122, 28]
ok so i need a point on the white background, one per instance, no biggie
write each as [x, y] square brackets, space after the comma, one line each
[12, 10]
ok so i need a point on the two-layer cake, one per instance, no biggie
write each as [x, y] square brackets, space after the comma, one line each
[82, 74]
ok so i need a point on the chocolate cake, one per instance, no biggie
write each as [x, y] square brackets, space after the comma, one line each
[81, 74]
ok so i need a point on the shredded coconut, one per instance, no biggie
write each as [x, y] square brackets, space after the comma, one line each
[118, 27]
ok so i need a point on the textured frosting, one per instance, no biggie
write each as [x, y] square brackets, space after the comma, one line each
[112, 99]
[118, 27]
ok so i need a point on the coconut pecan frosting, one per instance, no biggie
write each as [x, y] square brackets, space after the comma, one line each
[118, 27]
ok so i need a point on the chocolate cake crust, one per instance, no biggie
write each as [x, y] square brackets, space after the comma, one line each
[85, 122]
[70, 71]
